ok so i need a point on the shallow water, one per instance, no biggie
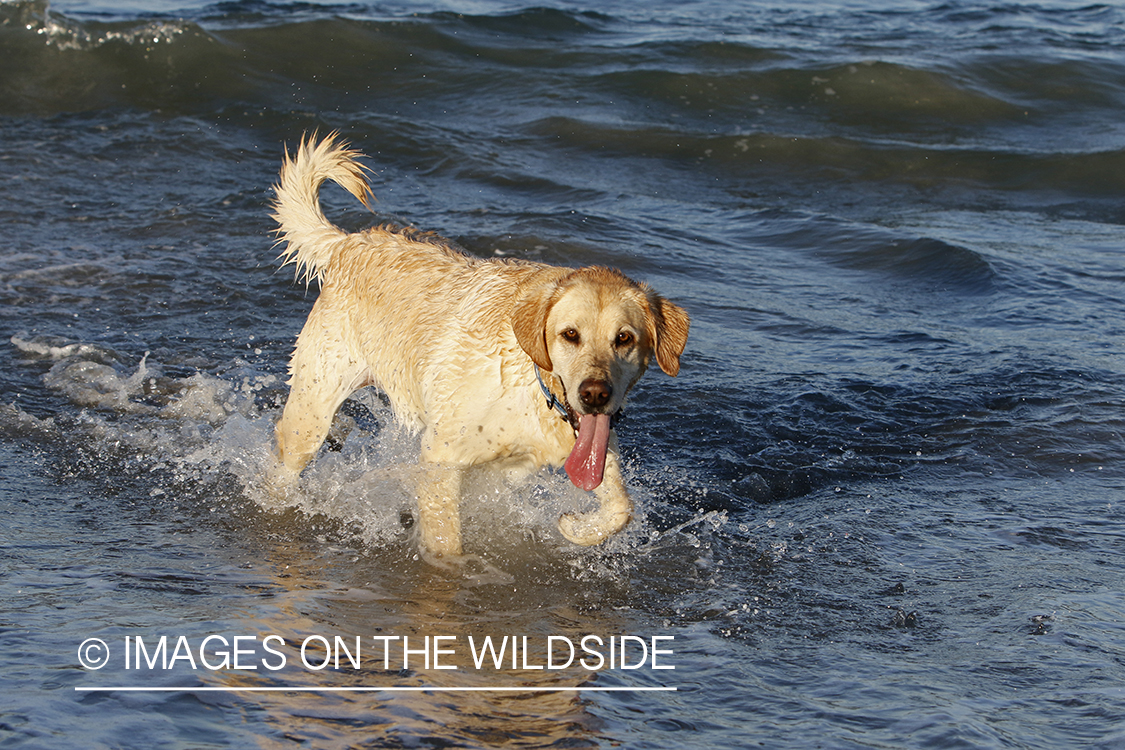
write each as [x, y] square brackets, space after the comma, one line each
[881, 506]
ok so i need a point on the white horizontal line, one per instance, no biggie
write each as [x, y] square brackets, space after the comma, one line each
[434, 689]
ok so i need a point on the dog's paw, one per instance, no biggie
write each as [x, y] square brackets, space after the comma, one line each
[279, 488]
[589, 529]
[436, 547]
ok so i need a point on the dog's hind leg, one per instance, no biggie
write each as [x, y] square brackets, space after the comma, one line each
[323, 377]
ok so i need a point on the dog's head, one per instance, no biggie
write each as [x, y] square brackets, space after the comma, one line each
[597, 330]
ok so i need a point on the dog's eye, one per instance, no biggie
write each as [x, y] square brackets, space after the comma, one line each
[571, 335]
[625, 338]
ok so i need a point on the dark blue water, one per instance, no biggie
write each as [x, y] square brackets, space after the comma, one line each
[881, 506]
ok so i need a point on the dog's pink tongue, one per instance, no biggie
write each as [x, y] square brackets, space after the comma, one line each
[587, 460]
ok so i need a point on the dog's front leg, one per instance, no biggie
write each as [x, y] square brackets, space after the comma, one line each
[614, 512]
[439, 508]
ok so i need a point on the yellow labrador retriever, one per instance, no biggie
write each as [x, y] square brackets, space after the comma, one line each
[491, 360]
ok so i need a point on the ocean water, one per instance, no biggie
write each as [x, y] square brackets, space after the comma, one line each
[880, 507]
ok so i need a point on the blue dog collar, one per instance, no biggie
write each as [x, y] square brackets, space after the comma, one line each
[552, 401]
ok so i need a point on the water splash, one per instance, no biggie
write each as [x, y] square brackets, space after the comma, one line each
[203, 435]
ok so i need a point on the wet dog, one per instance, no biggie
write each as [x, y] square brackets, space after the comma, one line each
[490, 360]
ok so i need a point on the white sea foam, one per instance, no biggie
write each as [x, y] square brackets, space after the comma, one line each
[53, 348]
[66, 34]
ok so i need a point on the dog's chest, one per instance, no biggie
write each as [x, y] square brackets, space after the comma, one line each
[514, 427]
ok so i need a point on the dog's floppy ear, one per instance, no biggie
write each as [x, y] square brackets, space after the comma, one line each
[668, 326]
[529, 321]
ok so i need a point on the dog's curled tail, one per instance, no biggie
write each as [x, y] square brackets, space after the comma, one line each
[309, 237]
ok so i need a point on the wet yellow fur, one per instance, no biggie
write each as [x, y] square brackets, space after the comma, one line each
[451, 339]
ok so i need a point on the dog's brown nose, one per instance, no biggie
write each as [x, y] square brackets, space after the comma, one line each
[595, 393]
